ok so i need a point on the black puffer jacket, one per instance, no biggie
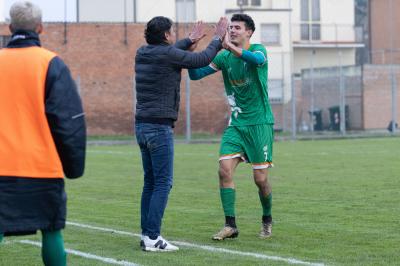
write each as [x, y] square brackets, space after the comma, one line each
[158, 76]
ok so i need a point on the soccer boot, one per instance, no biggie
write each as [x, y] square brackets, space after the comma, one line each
[226, 232]
[266, 230]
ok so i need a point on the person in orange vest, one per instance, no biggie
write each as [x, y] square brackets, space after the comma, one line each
[42, 135]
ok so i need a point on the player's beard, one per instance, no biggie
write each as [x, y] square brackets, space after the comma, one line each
[235, 41]
[238, 41]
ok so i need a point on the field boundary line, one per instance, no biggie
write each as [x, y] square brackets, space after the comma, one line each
[204, 247]
[135, 153]
[179, 154]
[84, 254]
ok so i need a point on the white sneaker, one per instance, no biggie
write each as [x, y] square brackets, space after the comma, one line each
[142, 241]
[160, 244]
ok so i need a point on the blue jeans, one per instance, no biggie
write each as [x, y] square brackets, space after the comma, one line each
[157, 148]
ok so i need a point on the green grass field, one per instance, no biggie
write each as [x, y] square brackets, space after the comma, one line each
[335, 202]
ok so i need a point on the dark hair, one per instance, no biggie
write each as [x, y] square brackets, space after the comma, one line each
[156, 29]
[248, 21]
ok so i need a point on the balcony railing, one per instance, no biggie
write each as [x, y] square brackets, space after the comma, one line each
[315, 32]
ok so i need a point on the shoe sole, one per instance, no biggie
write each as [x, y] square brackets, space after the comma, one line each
[149, 249]
[234, 235]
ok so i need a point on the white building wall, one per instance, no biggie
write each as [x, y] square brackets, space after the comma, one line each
[147, 9]
[265, 4]
[323, 58]
[337, 27]
[337, 20]
[279, 4]
[338, 11]
[2, 11]
[113, 11]
[210, 10]
[105, 10]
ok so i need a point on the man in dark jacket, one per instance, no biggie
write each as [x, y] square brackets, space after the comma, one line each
[158, 76]
[42, 135]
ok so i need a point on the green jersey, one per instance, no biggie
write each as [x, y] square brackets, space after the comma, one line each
[246, 88]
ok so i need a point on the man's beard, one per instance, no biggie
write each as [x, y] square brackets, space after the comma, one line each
[235, 42]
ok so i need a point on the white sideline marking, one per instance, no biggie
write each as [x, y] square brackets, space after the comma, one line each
[178, 154]
[112, 152]
[85, 255]
[135, 153]
[104, 229]
[205, 247]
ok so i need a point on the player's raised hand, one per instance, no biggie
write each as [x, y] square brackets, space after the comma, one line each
[221, 28]
[226, 43]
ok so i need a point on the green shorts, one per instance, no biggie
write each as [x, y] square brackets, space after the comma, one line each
[252, 144]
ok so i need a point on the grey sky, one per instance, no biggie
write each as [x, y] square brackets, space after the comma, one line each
[53, 10]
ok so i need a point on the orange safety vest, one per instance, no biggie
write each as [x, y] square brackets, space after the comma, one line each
[27, 147]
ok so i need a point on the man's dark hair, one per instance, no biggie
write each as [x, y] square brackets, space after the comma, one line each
[156, 29]
[248, 21]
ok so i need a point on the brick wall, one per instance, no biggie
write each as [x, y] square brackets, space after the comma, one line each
[103, 66]
[377, 98]
[384, 21]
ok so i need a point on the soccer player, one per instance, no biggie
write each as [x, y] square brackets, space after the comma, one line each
[42, 135]
[250, 134]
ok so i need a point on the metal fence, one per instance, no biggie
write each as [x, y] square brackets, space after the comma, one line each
[331, 99]
[335, 100]
[340, 100]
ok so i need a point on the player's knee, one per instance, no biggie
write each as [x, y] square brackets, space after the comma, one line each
[260, 177]
[263, 186]
[224, 174]
[261, 182]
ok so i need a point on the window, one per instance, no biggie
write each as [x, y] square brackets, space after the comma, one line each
[185, 10]
[310, 20]
[270, 34]
[315, 10]
[275, 90]
[249, 2]
[4, 39]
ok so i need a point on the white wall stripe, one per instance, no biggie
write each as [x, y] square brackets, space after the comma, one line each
[85, 255]
[205, 247]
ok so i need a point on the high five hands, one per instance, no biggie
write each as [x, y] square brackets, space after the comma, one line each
[197, 32]
[221, 28]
